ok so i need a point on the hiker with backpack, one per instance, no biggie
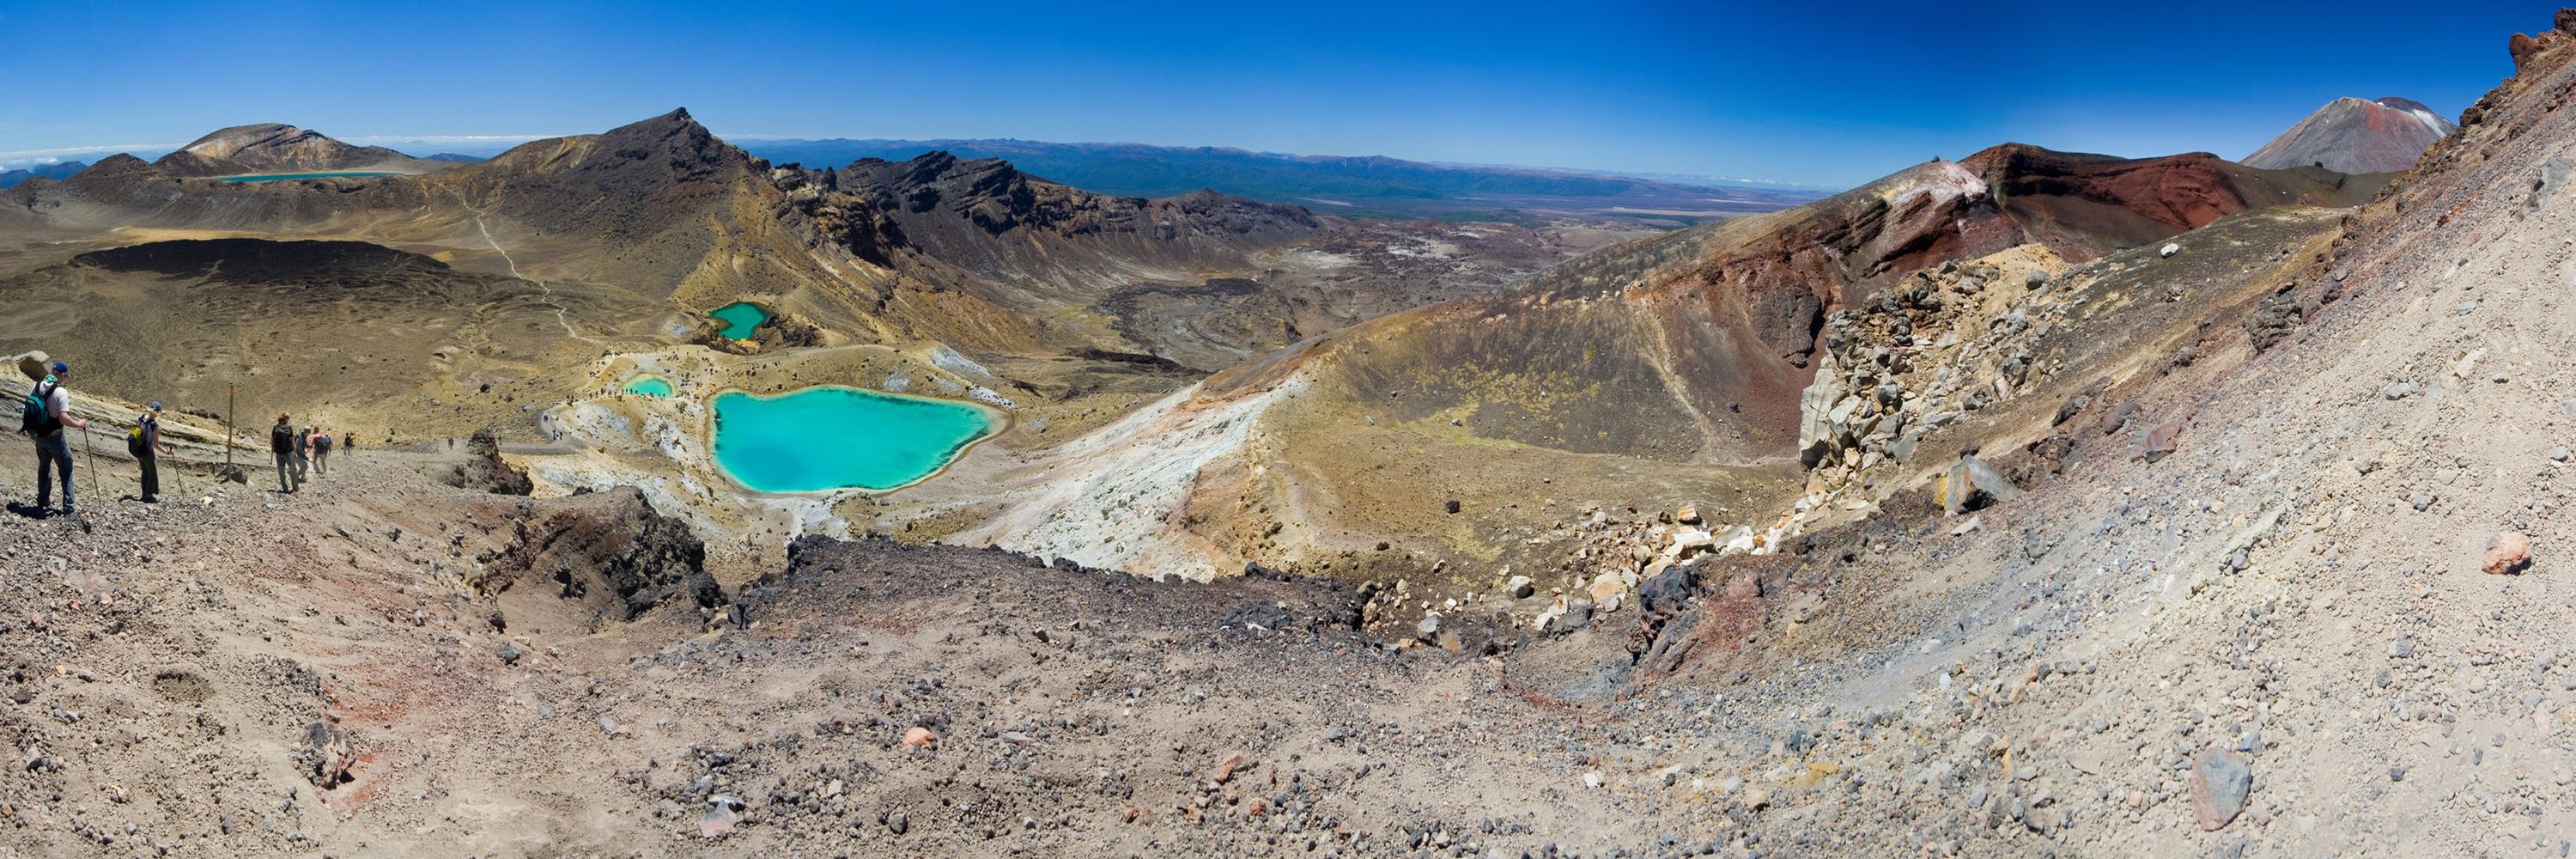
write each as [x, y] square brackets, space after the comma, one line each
[144, 442]
[321, 451]
[281, 441]
[44, 415]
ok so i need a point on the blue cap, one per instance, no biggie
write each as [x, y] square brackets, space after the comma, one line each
[61, 368]
[156, 405]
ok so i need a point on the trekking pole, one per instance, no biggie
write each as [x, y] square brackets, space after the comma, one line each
[92, 451]
[228, 429]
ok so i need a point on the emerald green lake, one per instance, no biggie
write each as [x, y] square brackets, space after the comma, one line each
[836, 437]
[740, 318]
[650, 386]
[280, 177]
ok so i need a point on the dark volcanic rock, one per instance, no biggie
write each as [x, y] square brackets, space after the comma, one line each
[485, 470]
[609, 550]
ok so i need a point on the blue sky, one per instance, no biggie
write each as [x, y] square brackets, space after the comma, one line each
[1815, 93]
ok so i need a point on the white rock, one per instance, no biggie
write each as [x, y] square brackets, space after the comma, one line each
[2170, 250]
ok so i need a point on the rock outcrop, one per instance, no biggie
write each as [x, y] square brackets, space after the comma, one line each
[609, 551]
[485, 470]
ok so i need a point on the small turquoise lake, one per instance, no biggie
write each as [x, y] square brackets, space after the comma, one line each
[281, 177]
[836, 437]
[741, 318]
[650, 386]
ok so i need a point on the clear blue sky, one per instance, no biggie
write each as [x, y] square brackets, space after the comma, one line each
[1815, 93]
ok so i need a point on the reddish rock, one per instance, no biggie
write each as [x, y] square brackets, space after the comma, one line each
[1225, 769]
[919, 736]
[2507, 552]
[2160, 442]
[2522, 48]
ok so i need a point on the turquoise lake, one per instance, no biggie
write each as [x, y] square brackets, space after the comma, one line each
[741, 318]
[836, 437]
[280, 177]
[650, 386]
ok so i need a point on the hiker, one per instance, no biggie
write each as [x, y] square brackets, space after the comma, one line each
[281, 441]
[144, 442]
[321, 451]
[351, 441]
[303, 454]
[44, 416]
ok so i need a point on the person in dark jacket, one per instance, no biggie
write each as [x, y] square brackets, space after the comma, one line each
[148, 456]
[281, 441]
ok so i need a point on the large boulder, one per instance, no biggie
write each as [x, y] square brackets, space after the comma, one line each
[32, 364]
[610, 551]
[1972, 484]
[483, 468]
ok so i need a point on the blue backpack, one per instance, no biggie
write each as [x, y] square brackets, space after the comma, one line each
[36, 416]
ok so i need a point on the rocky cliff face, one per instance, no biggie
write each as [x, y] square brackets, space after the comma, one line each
[2350, 135]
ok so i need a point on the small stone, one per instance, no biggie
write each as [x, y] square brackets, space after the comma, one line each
[718, 820]
[2558, 454]
[2169, 250]
[607, 725]
[2219, 787]
[919, 736]
[1521, 587]
[1592, 780]
[510, 654]
[2507, 552]
[1225, 769]
[1429, 627]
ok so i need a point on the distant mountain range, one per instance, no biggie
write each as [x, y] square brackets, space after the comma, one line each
[1367, 185]
[62, 170]
[2350, 135]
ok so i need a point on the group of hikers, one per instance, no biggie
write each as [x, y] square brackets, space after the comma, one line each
[46, 416]
[301, 451]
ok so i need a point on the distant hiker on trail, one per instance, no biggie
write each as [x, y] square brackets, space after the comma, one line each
[352, 442]
[281, 441]
[144, 442]
[43, 417]
[321, 451]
